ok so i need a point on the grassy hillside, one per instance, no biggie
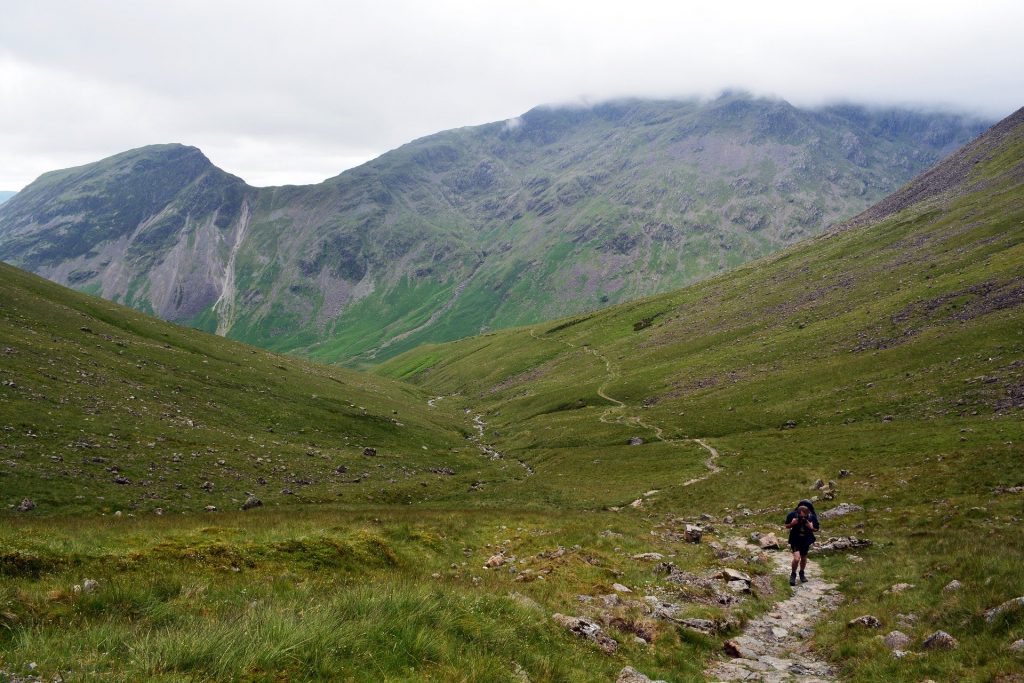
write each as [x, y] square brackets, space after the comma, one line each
[121, 430]
[894, 351]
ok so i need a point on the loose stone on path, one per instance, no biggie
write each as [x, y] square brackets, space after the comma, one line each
[773, 647]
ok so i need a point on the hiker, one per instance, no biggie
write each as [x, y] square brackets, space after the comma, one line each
[802, 523]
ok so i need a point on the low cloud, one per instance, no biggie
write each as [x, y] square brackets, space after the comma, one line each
[295, 95]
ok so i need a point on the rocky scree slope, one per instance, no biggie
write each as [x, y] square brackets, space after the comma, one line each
[557, 211]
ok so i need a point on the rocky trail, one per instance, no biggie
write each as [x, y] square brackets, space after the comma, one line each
[774, 648]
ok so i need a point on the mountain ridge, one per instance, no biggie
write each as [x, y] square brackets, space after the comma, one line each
[552, 212]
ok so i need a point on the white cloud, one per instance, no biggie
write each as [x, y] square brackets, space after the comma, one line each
[294, 92]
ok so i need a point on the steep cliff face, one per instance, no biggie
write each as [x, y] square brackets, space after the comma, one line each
[556, 211]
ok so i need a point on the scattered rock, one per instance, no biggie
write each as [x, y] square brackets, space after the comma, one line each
[631, 675]
[952, 586]
[122, 480]
[693, 534]
[585, 628]
[843, 474]
[897, 640]
[158, 511]
[637, 503]
[727, 520]
[818, 484]
[649, 557]
[251, 502]
[789, 424]
[635, 441]
[370, 452]
[1009, 605]
[207, 486]
[769, 542]
[494, 561]
[940, 640]
[899, 588]
[210, 508]
[738, 586]
[621, 589]
[26, 505]
[841, 543]
[1016, 646]
[867, 621]
[705, 626]
[840, 510]
[729, 574]
[90, 585]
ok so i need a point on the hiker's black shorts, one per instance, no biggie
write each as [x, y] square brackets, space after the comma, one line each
[800, 547]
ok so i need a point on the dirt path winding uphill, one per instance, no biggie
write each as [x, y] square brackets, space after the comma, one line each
[773, 648]
[616, 413]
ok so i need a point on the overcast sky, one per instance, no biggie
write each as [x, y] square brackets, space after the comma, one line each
[296, 91]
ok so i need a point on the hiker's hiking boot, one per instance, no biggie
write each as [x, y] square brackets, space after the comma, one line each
[803, 579]
[792, 579]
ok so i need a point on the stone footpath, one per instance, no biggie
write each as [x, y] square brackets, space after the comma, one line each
[774, 647]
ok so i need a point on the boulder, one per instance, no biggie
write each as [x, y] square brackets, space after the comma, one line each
[494, 561]
[635, 441]
[589, 630]
[899, 588]
[1016, 646]
[631, 675]
[210, 508]
[738, 586]
[817, 485]
[26, 505]
[897, 640]
[940, 640]
[251, 502]
[693, 534]
[840, 510]
[1008, 606]
[369, 452]
[866, 621]
[952, 586]
[90, 585]
[705, 626]
[620, 588]
[843, 474]
[769, 542]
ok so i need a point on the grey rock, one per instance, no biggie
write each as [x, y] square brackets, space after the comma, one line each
[899, 588]
[729, 574]
[251, 502]
[840, 510]
[631, 675]
[693, 534]
[1016, 646]
[844, 473]
[897, 640]
[26, 505]
[866, 621]
[1008, 606]
[635, 441]
[952, 586]
[940, 640]
[649, 557]
[369, 452]
[818, 484]
[769, 542]
[589, 630]
[90, 585]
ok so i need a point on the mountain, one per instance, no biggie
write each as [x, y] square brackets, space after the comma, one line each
[554, 212]
[5, 195]
[879, 365]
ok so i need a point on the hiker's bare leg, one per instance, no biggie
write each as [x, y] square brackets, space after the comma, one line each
[796, 560]
[803, 563]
